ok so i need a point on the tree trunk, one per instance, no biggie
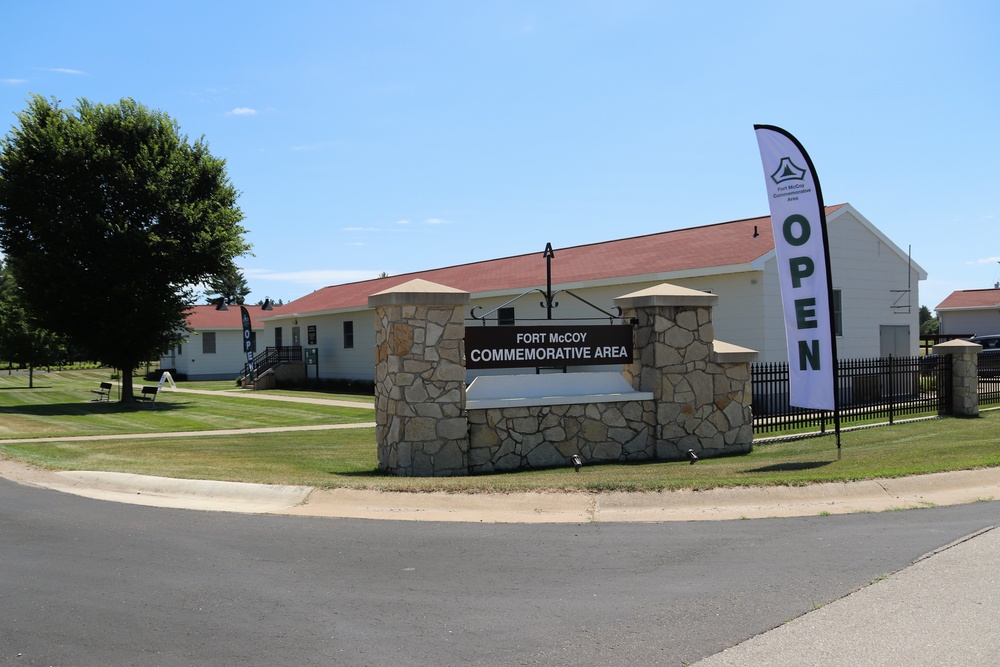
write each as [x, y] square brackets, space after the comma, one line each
[31, 376]
[126, 384]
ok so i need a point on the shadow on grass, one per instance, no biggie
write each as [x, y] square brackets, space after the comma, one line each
[370, 472]
[91, 408]
[791, 467]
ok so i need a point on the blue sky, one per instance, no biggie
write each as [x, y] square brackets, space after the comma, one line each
[391, 136]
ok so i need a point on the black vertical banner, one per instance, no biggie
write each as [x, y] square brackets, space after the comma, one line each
[247, 341]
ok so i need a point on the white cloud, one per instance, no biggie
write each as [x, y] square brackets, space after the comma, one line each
[403, 222]
[984, 260]
[241, 111]
[361, 229]
[13, 82]
[436, 221]
[65, 70]
[314, 278]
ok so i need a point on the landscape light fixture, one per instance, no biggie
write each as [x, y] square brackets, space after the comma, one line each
[692, 456]
[576, 461]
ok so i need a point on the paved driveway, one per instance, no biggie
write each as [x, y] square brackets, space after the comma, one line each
[90, 582]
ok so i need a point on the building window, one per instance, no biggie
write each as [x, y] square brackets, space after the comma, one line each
[505, 317]
[348, 335]
[838, 313]
[208, 342]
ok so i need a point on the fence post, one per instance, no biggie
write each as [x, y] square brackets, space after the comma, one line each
[892, 392]
[964, 375]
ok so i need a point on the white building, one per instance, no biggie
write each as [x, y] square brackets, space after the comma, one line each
[974, 312]
[213, 349]
[875, 288]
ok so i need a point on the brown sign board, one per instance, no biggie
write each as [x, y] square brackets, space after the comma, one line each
[526, 347]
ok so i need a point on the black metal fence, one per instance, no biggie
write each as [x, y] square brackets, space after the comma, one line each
[989, 378]
[876, 388]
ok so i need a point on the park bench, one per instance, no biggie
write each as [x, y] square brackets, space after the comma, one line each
[148, 394]
[103, 393]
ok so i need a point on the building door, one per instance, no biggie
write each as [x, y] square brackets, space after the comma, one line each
[296, 336]
[894, 340]
[277, 337]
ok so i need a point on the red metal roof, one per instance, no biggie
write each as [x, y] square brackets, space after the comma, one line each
[208, 318]
[971, 298]
[718, 245]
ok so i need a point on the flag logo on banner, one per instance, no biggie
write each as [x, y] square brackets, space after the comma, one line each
[798, 221]
[787, 171]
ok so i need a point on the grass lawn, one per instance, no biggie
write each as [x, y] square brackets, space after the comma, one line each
[60, 404]
[347, 458]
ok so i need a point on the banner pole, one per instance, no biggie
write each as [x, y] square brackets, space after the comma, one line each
[830, 303]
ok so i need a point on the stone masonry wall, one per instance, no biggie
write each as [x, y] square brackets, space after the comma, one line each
[545, 436]
[701, 391]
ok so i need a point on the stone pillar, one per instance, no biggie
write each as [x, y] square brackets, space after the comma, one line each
[964, 375]
[421, 426]
[701, 387]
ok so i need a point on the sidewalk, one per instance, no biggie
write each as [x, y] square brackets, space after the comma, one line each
[244, 393]
[942, 610]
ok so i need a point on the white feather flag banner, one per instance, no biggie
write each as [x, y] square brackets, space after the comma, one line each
[798, 220]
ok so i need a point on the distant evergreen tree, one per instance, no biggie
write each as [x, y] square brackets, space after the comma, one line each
[230, 286]
[928, 323]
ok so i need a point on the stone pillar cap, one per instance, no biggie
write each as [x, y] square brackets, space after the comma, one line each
[666, 294]
[733, 354]
[957, 345]
[419, 292]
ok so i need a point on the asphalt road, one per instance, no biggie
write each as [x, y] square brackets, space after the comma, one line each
[88, 582]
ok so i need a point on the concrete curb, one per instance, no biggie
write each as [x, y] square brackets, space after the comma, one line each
[536, 507]
[179, 493]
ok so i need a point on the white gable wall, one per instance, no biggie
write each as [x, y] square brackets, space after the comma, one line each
[335, 361]
[225, 364]
[976, 322]
[775, 346]
[736, 319]
[867, 270]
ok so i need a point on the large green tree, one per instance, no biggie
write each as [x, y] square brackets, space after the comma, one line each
[108, 218]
